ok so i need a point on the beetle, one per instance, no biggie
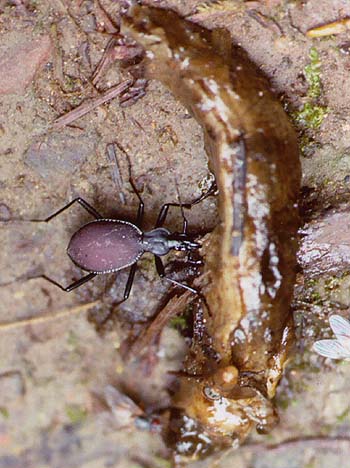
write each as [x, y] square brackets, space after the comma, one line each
[108, 245]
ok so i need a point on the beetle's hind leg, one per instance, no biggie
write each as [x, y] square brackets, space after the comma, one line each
[69, 288]
[161, 273]
[83, 203]
[126, 295]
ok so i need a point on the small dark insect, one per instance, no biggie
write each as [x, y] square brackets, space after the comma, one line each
[109, 245]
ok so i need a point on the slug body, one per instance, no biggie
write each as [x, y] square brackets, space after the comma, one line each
[251, 256]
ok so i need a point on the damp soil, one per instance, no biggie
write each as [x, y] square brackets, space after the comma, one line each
[56, 359]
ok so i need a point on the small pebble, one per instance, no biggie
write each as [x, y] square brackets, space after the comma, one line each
[345, 48]
[12, 386]
[5, 213]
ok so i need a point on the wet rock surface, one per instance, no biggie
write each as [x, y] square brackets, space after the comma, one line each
[325, 243]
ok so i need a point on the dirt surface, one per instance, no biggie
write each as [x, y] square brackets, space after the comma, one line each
[55, 372]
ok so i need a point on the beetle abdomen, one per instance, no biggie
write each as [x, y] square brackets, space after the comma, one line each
[106, 245]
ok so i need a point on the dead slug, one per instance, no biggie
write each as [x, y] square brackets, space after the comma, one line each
[234, 367]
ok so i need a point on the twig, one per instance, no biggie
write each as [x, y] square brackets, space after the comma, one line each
[266, 22]
[294, 26]
[116, 49]
[175, 306]
[320, 442]
[105, 61]
[328, 29]
[55, 316]
[109, 25]
[91, 104]
[120, 147]
[116, 175]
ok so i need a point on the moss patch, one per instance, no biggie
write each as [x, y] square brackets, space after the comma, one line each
[76, 414]
[312, 73]
[312, 114]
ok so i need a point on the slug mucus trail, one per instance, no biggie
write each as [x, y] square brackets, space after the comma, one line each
[250, 257]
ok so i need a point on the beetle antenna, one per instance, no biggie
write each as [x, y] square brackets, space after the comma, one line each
[185, 222]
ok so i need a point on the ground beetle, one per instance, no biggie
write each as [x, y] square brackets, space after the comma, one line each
[109, 245]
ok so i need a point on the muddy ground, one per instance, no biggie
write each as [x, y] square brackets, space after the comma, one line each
[56, 360]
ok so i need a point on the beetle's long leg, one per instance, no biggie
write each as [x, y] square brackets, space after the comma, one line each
[164, 212]
[82, 203]
[141, 208]
[72, 286]
[165, 208]
[129, 283]
[127, 290]
[161, 273]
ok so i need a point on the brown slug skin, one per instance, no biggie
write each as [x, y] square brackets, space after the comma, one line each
[250, 258]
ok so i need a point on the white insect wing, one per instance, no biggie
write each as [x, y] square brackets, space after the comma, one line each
[122, 407]
[340, 347]
[341, 329]
[331, 349]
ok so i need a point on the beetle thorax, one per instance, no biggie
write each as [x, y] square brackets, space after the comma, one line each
[160, 241]
[157, 241]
